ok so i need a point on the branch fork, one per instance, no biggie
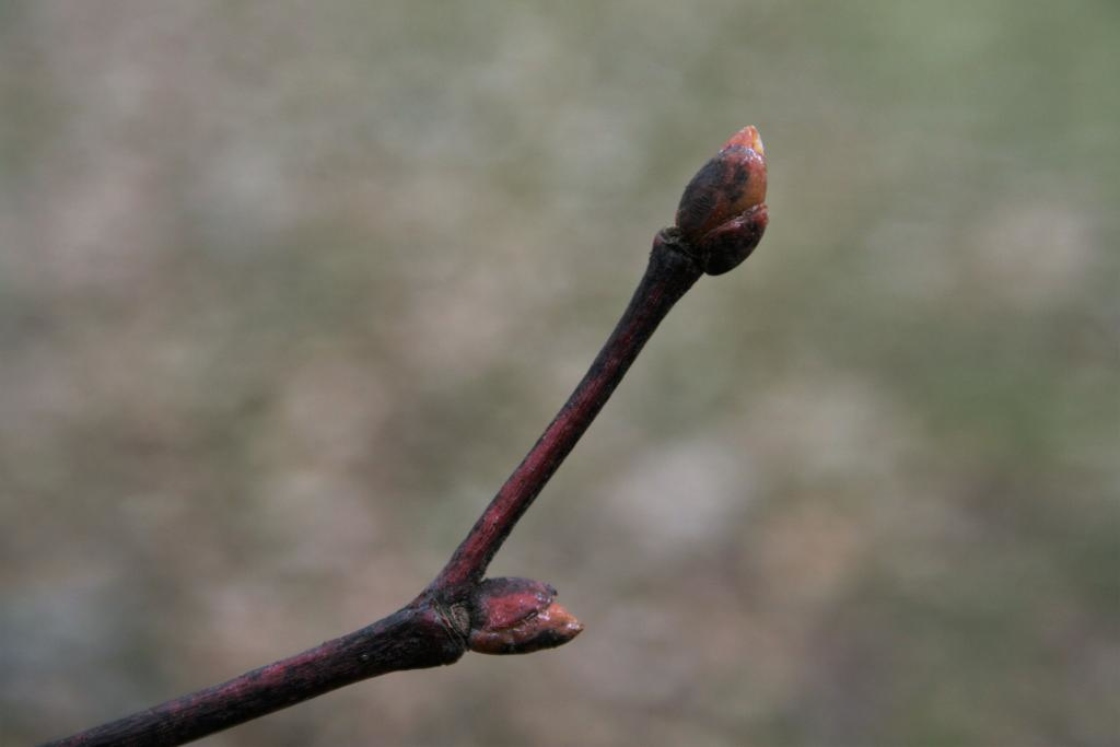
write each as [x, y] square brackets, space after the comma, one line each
[720, 220]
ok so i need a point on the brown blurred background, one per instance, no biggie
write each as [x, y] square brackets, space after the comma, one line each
[288, 288]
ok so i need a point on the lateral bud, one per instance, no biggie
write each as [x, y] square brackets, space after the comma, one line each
[518, 616]
[722, 214]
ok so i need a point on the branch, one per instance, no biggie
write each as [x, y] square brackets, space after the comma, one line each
[720, 221]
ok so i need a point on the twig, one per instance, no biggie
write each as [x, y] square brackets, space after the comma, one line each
[720, 220]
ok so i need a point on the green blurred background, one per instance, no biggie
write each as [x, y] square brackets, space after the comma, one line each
[288, 288]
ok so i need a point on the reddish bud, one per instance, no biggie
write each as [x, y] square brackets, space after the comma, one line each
[722, 213]
[518, 616]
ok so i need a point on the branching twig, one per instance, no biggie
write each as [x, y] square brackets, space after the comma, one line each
[719, 222]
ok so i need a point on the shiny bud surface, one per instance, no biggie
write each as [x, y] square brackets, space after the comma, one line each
[518, 616]
[722, 214]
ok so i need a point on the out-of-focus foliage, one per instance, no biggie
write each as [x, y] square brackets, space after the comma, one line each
[287, 288]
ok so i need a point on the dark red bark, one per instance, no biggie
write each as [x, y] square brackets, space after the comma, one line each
[412, 638]
[721, 219]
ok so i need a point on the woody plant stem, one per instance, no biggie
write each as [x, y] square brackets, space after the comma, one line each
[719, 222]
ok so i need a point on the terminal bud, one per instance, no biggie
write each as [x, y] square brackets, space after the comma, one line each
[723, 213]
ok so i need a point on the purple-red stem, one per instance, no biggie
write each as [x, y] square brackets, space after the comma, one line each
[433, 629]
[668, 277]
[408, 639]
[720, 220]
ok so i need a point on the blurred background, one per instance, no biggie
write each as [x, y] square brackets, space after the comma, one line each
[288, 288]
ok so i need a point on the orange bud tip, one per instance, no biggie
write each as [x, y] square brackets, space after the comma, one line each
[747, 137]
